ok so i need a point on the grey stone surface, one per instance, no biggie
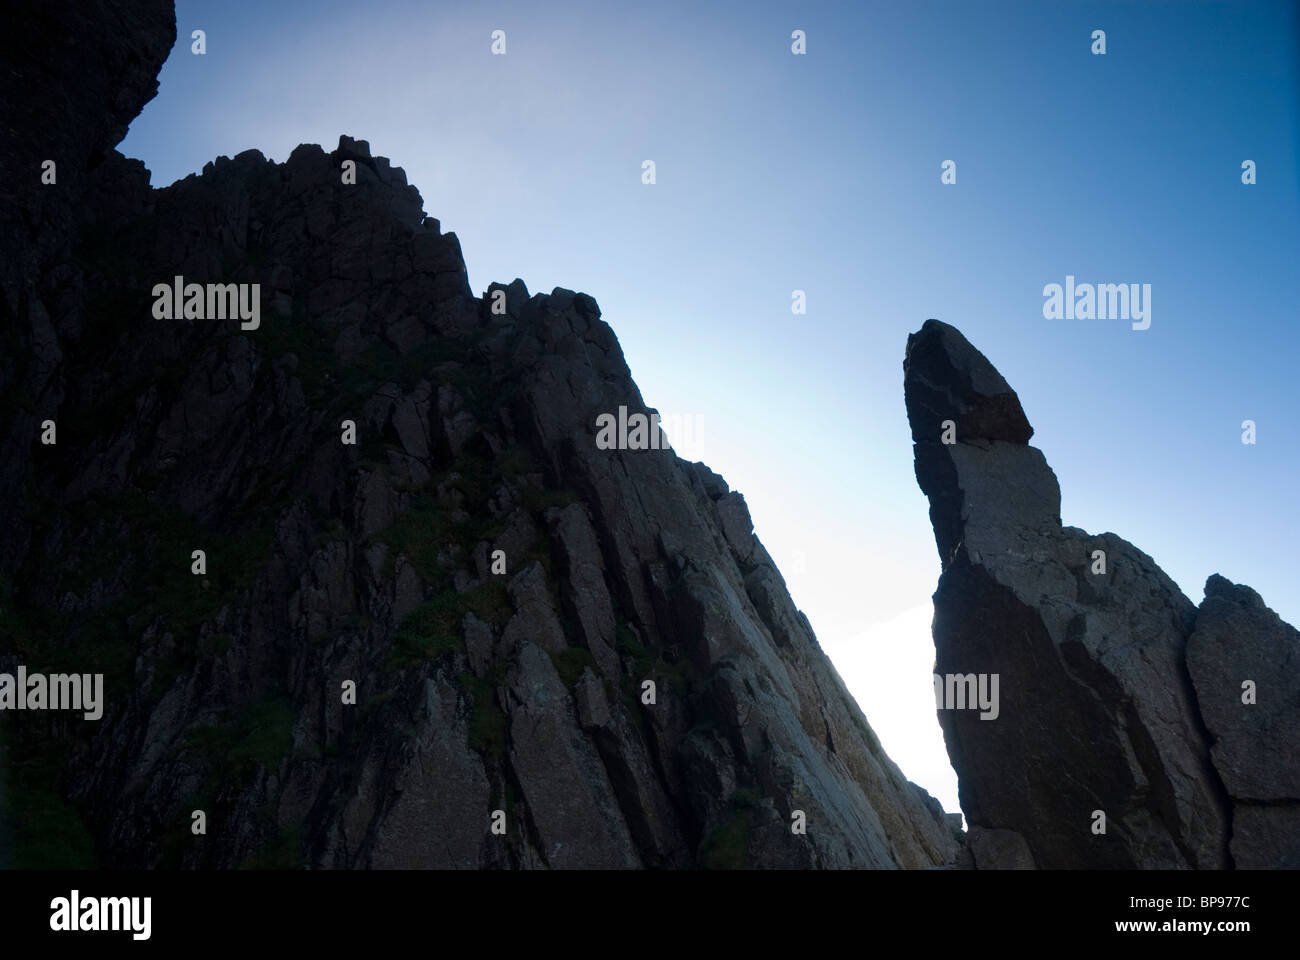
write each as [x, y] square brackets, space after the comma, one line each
[1238, 640]
[1108, 680]
[369, 563]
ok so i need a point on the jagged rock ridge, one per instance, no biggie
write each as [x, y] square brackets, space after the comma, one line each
[372, 563]
[1117, 693]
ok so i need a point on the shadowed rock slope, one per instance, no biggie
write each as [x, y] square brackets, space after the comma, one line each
[372, 563]
[1117, 694]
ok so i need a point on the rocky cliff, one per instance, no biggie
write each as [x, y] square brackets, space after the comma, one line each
[1134, 729]
[434, 622]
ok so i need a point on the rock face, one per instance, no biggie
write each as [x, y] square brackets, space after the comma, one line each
[1237, 639]
[1115, 693]
[395, 644]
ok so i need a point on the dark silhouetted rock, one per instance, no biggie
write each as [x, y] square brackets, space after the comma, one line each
[1238, 640]
[376, 563]
[1097, 711]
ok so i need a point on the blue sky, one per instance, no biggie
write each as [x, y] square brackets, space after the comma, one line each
[821, 173]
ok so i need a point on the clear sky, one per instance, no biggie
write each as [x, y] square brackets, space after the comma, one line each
[777, 172]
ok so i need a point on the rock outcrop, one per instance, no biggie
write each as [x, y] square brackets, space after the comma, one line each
[388, 647]
[1117, 697]
[1254, 749]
